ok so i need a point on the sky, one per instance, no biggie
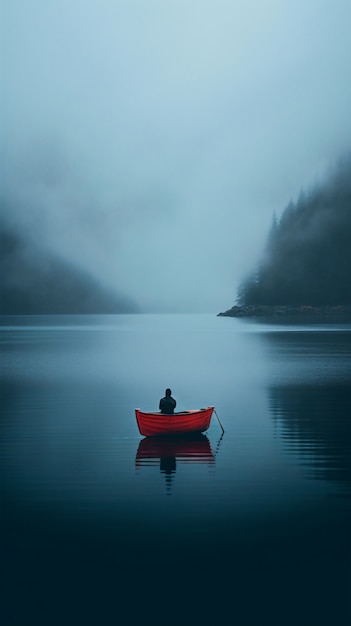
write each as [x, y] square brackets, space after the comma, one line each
[151, 141]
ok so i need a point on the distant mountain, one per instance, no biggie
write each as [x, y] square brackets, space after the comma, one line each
[307, 259]
[35, 282]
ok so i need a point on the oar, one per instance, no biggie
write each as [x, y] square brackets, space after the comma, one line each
[219, 421]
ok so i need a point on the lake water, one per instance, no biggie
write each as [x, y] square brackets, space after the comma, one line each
[99, 527]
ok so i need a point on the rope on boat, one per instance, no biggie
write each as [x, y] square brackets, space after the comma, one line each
[219, 421]
[218, 444]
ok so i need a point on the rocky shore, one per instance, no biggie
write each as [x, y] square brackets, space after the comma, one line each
[296, 313]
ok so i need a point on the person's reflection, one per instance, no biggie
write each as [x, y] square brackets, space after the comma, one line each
[168, 467]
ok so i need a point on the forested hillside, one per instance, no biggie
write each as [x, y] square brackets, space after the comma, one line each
[33, 281]
[307, 259]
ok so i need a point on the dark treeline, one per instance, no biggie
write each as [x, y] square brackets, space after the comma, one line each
[307, 259]
[35, 281]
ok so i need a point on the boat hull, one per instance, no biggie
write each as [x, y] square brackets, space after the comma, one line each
[185, 422]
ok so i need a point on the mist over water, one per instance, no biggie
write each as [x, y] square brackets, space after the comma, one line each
[150, 143]
[145, 148]
[95, 517]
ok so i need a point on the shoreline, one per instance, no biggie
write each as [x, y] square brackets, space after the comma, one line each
[296, 313]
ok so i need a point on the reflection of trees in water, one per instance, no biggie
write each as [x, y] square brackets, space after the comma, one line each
[315, 424]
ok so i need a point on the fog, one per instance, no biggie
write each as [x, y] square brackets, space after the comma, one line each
[150, 142]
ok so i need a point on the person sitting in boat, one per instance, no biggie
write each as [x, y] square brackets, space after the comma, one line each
[167, 404]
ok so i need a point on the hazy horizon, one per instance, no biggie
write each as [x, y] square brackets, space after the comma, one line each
[151, 142]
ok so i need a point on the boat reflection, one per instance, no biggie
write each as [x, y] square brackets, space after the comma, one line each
[166, 452]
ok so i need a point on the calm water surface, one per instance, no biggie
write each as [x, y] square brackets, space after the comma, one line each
[103, 527]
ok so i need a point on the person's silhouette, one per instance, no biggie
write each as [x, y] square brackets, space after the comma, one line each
[167, 404]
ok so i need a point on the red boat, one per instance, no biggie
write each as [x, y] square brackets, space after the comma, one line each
[185, 422]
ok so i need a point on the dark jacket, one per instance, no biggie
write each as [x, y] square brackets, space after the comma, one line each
[167, 405]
